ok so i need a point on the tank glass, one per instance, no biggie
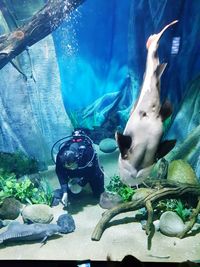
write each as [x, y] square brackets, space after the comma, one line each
[99, 130]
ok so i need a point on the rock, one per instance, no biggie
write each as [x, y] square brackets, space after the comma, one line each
[108, 145]
[181, 172]
[10, 209]
[108, 200]
[66, 222]
[143, 224]
[171, 224]
[141, 193]
[141, 214]
[198, 218]
[1, 224]
[37, 213]
[156, 225]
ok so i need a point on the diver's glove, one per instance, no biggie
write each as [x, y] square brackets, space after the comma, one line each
[57, 196]
[64, 199]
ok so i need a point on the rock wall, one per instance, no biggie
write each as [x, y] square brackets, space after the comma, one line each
[31, 108]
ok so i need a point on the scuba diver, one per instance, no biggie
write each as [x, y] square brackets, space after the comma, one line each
[77, 164]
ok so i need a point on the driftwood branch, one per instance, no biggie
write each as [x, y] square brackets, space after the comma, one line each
[150, 216]
[42, 23]
[193, 219]
[170, 190]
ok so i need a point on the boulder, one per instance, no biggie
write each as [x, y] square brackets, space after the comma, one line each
[181, 172]
[66, 222]
[37, 213]
[108, 200]
[171, 224]
[141, 193]
[108, 145]
[10, 209]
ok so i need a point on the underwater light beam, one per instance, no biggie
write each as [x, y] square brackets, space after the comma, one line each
[44, 22]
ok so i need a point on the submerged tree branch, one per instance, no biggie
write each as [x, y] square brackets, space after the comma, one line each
[172, 189]
[42, 23]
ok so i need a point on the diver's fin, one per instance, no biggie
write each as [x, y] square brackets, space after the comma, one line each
[160, 69]
[164, 148]
[124, 143]
[166, 110]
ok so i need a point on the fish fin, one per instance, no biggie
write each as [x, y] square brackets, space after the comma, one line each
[164, 148]
[124, 143]
[166, 110]
[43, 241]
[160, 69]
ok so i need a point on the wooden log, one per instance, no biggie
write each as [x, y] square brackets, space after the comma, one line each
[174, 190]
[42, 23]
[150, 216]
[193, 219]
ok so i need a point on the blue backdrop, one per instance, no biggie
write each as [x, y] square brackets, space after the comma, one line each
[101, 55]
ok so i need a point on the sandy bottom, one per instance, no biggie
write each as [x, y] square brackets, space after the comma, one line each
[122, 237]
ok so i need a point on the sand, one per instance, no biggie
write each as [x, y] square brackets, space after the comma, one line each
[123, 237]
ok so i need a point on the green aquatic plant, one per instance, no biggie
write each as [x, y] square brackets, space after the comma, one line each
[115, 186]
[18, 163]
[183, 212]
[174, 205]
[24, 190]
[44, 194]
[126, 193]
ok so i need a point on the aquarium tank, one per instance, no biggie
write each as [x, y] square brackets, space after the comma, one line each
[100, 130]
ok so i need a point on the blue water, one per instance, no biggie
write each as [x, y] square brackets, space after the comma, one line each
[98, 36]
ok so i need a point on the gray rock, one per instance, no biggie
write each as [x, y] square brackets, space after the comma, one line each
[157, 225]
[143, 224]
[66, 223]
[37, 213]
[10, 209]
[198, 218]
[108, 200]
[171, 224]
[108, 145]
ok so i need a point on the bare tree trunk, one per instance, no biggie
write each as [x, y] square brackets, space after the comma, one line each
[42, 23]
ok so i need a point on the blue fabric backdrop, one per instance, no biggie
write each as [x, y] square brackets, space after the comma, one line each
[101, 54]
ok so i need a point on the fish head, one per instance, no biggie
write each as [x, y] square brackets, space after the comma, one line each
[127, 172]
[52, 229]
[152, 42]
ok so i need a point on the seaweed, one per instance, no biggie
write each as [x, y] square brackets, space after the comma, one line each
[24, 190]
[115, 186]
[176, 205]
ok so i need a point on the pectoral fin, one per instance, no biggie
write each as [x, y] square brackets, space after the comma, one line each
[160, 69]
[166, 110]
[124, 143]
[164, 148]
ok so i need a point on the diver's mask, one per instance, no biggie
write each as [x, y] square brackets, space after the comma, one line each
[71, 161]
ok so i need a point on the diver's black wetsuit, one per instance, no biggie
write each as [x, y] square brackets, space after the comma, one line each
[88, 165]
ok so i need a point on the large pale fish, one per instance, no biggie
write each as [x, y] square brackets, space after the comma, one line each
[140, 140]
